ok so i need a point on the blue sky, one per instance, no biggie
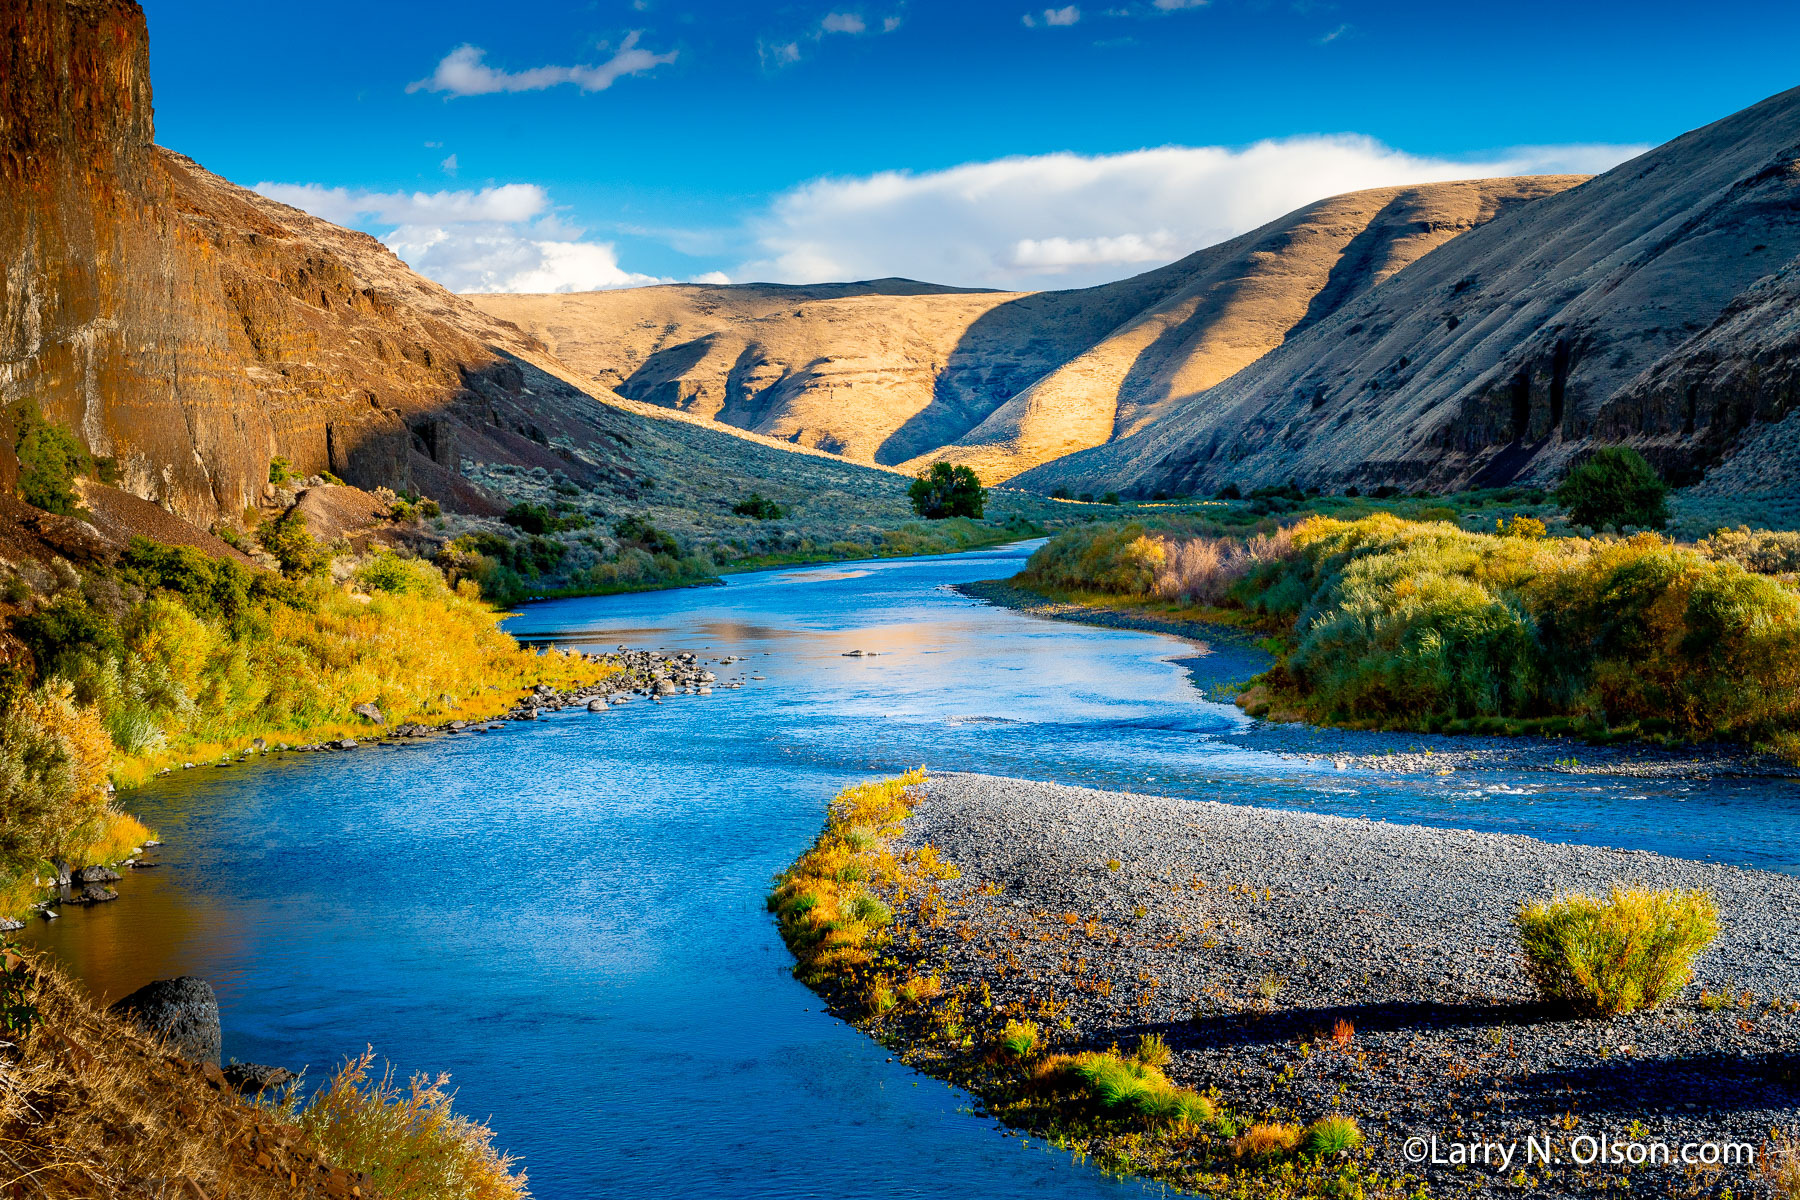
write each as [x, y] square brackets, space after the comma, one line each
[563, 146]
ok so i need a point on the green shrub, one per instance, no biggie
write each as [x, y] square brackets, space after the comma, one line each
[280, 470]
[298, 552]
[50, 459]
[759, 507]
[1617, 487]
[947, 491]
[388, 572]
[1633, 950]
[1121, 559]
[641, 534]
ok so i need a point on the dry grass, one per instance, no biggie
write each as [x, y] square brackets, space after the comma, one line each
[91, 1107]
[1632, 950]
[407, 1139]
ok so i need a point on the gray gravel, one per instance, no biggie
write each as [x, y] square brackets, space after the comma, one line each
[1243, 934]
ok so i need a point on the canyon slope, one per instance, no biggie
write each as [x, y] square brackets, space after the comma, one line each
[897, 372]
[192, 330]
[1651, 306]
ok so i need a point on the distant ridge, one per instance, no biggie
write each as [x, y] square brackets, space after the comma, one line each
[1652, 306]
[899, 372]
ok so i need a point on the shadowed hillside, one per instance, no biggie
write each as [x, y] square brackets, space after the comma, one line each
[1649, 306]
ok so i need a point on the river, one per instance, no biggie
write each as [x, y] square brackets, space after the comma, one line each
[567, 915]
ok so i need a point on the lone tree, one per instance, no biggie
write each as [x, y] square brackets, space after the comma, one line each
[947, 491]
[1615, 487]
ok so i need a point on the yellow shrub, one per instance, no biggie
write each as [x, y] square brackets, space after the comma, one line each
[1632, 950]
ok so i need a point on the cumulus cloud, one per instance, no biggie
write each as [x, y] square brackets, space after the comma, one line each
[463, 73]
[497, 239]
[1053, 16]
[1064, 220]
[783, 52]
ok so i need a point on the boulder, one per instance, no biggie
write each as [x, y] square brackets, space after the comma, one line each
[369, 713]
[95, 875]
[665, 687]
[93, 893]
[596, 705]
[183, 1012]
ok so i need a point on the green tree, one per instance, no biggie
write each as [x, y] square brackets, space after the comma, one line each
[49, 460]
[1615, 487]
[947, 491]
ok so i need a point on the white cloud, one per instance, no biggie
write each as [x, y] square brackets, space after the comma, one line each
[784, 53]
[1053, 16]
[1335, 34]
[498, 239]
[719, 278]
[1179, 5]
[449, 165]
[463, 73]
[1063, 220]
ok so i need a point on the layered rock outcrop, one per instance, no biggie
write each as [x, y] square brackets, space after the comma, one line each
[193, 330]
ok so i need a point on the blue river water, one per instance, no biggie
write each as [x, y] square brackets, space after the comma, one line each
[567, 915]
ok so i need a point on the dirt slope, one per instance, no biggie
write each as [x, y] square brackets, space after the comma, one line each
[1652, 305]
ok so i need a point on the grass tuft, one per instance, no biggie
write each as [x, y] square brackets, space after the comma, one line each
[1329, 1136]
[1267, 1140]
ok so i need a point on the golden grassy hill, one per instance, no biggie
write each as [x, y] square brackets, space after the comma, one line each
[897, 372]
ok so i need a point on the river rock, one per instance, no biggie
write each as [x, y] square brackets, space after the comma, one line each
[95, 874]
[183, 1012]
[8, 925]
[346, 744]
[93, 893]
[596, 705]
[665, 687]
[253, 1079]
[369, 713]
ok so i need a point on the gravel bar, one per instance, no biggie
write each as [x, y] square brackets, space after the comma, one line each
[1244, 935]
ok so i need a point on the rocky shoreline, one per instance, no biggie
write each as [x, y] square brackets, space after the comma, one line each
[1226, 658]
[1302, 964]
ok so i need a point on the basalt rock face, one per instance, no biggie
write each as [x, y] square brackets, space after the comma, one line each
[193, 330]
[897, 372]
[1650, 306]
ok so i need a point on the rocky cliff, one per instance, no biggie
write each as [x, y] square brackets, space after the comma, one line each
[193, 330]
[897, 372]
[1651, 306]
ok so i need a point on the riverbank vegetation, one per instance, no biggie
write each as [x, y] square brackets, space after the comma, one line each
[838, 908]
[1387, 622]
[167, 656]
